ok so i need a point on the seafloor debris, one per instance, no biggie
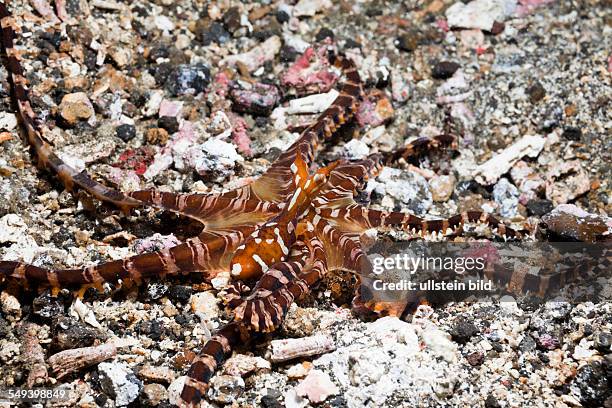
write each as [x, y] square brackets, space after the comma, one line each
[69, 361]
[571, 222]
[191, 98]
[289, 349]
[490, 171]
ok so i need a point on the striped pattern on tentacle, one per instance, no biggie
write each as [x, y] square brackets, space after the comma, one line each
[421, 146]
[275, 184]
[212, 210]
[34, 128]
[346, 179]
[201, 254]
[272, 241]
[358, 217]
[212, 355]
[265, 308]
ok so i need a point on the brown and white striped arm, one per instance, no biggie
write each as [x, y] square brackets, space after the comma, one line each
[213, 354]
[357, 217]
[34, 128]
[203, 254]
[276, 183]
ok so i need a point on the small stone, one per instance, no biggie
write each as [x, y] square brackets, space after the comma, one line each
[126, 132]
[157, 136]
[407, 187]
[231, 19]
[205, 304]
[272, 399]
[441, 187]
[258, 98]
[571, 222]
[174, 390]
[539, 207]
[10, 304]
[475, 359]
[602, 342]
[506, 195]
[444, 69]
[119, 382]
[407, 42]
[536, 92]
[169, 123]
[300, 370]
[375, 110]
[75, 107]
[463, 331]
[591, 384]
[180, 294]
[572, 133]
[481, 14]
[157, 374]
[557, 309]
[308, 8]
[47, 306]
[440, 344]
[282, 16]
[527, 344]
[8, 121]
[215, 32]
[154, 394]
[69, 334]
[163, 23]
[241, 365]
[491, 402]
[214, 158]
[226, 388]
[547, 341]
[355, 149]
[188, 79]
[323, 34]
[317, 386]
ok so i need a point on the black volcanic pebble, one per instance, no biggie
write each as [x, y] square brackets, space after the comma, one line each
[593, 384]
[463, 330]
[185, 79]
[491, 402]
[69, 334]
[539, 207]
[527, 344]
[215, 32]
[444, 69]
[407, 42]
[603, 340]
[180, 293]
[324, 33]
[231, 19]
[536, 92]
[288, 54]
[47, 306]
[169, 123]
[572, 133]
[126, 132]
[282, 16]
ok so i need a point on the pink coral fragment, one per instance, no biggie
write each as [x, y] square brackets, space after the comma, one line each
[525, 7]
[240, 135]
[170, 108]
[310, 73]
